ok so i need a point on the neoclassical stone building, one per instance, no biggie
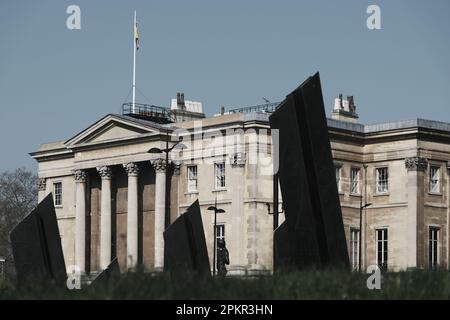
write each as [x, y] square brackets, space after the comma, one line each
[113, 198]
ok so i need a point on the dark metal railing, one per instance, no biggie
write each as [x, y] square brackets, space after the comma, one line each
[147, 111]
[268, 107]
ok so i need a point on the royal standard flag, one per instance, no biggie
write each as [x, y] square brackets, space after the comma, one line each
[136, 36]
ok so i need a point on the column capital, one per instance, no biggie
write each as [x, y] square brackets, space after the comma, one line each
[132, 169]
[416, 164]
[42, 184]
[80, 176]
[105, 172]
[238, 160]
[176, 167]
[160, 165]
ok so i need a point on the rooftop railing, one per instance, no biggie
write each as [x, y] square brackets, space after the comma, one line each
[147, 112]
[267, 108]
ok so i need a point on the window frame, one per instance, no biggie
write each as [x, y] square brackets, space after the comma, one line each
[383, 263]
[438, 179]
[378, 181]
[218, 183]
[219, 226]
[58, 196]
[433, 243]
[338, 176]
[189, 180]
[358, 181]
[354, 248]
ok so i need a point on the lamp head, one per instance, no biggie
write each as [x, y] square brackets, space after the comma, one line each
[155, 150]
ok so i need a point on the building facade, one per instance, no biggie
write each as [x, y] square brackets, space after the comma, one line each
[110, 193]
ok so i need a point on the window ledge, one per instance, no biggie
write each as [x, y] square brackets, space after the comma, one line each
[219, 189]
[190, 192]
[58, 207]
[381, 194]
[358, 195]
[435, 194]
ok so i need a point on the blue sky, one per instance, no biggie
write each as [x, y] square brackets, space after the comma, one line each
[54, 82]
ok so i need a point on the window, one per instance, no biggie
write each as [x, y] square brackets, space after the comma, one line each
[192, 178]
[435, 179]
[219, 169]
[338, 177]
[354, 248]
[220, 235]
[433, 245]
[382, 248]
[57, 191]
[354, 176]
[382, 180]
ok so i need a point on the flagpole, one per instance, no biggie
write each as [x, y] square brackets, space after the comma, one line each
[134, 64]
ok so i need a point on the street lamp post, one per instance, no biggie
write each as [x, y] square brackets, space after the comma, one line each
[216, 211]
[361, 207]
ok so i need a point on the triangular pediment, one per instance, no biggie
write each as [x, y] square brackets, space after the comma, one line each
[113, 128]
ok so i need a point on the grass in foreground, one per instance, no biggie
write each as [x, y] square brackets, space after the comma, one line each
[329, 284]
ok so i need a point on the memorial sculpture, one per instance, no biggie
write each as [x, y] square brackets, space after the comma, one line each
[36, 245]
[223, 258]
[111, 270]
[185, 245]
[312, 235]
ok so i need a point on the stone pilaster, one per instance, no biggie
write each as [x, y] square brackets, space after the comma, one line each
[132, 170]
[238, 160]
[42, 187]
[105, 216]
[448, 215]
[236, 232]
[160, 166]
[416, 167]
[174, 190]
[176, 168]
[416, 164]
[80, 220]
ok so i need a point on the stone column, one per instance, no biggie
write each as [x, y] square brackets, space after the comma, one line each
[416, 167]
[42, 186]
[233, 237]
[105, 217]
[160, 166]
[132, 170]
[448, 215]
[174, 190]
[80, 220]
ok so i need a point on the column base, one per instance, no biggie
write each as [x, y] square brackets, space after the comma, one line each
[158, 269]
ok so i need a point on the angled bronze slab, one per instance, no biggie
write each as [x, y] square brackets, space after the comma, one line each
[313, 231]
[111, 270]
[36, 245]
[185, 245]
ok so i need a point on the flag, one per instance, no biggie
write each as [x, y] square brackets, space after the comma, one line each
[136, 36]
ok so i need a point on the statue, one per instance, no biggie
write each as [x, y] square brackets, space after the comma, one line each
[223, 258]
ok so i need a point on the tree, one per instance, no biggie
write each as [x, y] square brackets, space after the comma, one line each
[18, 196]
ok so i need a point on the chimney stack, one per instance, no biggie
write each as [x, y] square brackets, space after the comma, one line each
[344, 110]
[222, 111]
[180, 100]
[351, 104]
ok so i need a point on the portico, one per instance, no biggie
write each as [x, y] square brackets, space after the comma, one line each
[119, 195]
[134, 194]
